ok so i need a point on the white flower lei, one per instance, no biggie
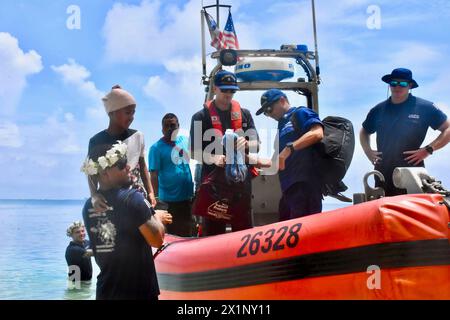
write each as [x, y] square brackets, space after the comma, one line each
[118, 151]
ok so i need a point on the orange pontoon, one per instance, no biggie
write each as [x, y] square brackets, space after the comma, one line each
[391, 248]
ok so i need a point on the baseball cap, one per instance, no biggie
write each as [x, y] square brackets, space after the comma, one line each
[268, 98]
[226, 80]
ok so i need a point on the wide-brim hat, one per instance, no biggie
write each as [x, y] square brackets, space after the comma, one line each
[268, 98]
[401, 74]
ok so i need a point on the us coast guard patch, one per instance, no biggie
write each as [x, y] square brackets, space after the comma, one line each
[235, 115]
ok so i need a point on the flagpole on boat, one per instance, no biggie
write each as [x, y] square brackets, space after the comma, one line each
[217, 12]
[202, 17]
[316, 53]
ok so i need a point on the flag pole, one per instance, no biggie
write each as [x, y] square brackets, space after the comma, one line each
[316, 53]
[202, 17]
[217, 12]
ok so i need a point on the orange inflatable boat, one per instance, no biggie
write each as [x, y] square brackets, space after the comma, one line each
[392, 248]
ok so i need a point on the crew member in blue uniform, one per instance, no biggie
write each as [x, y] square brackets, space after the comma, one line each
[401, 123]
[299, 180]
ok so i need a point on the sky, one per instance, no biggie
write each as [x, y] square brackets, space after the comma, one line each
[59, 58]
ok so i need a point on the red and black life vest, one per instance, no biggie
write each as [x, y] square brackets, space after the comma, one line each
[236, 122]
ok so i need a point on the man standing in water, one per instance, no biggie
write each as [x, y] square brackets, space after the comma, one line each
[78, 252]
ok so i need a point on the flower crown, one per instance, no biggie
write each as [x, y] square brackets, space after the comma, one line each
[73, 226]
[118, 151]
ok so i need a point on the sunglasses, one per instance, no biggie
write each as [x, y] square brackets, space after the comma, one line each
[402, 84]
[121, 163]
[268, 111]
[227, 91]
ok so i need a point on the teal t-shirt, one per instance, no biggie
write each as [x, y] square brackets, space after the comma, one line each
[174, 174]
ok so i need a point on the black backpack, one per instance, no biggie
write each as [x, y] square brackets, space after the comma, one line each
[335, 151]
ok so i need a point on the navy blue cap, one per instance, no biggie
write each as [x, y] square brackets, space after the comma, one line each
[401, 74]
[226, 80]
[268, 98]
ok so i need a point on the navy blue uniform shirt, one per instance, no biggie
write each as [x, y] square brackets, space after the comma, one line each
[299, 166]
[401, 127]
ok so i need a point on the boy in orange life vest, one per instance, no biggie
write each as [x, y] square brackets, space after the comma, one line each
[221, 114]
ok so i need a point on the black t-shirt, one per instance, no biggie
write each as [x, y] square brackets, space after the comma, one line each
[103, 137]
[204, 118]
[135, 151]
[75, 256]
[127, 270]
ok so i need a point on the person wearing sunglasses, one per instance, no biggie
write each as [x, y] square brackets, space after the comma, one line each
[171, 177]
[207, 129]
[122, 236]
[298, 130]
[401, 123]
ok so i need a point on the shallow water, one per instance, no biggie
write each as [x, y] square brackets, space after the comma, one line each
[33, 242]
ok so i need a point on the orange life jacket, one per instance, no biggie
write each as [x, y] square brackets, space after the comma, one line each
[236, 122]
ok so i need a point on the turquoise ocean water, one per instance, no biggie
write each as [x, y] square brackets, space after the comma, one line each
[33, 242]
[32, 246]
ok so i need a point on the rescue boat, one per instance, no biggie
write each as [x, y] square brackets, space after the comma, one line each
[391, 248]
[386, 248]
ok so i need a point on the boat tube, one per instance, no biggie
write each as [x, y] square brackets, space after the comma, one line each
[391, 248]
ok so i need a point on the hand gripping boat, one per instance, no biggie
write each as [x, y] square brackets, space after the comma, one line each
[391, 248]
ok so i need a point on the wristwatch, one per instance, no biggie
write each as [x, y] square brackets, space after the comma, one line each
[429, 149]
[290, 145]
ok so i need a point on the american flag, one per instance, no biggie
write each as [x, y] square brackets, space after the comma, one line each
[222, 40]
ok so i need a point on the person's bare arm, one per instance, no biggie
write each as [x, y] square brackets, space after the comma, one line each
[258, 162]
[164, 216]
[145, 176]
[373, 155]
[444, 138]
[154, 181]
[417, 156]
[99, 202]
[153, 232]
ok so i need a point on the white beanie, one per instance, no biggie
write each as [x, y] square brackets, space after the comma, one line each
[117, 99]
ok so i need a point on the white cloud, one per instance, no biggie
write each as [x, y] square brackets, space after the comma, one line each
[15, 66]
[156, 88]
[62, 134]
[10, 135]
[69, 117]
[77, 75]
[140, 34]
